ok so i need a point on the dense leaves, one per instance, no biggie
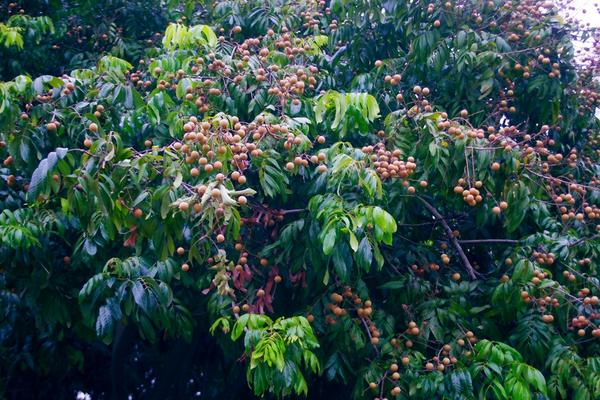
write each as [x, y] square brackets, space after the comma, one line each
[325, 199]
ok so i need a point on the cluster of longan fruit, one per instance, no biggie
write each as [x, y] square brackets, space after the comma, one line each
[506, 98]
[441, 363]
[394, 376]
[373, 330]
[538, 276]
[137, 78]
[542, 301]
[204, 135]
[412, 329]
[388, 164]
[363, 311]
[582, 324]
[545, 63]
[565, 198]
[589, 211]
[283, 85]
[7, 162]
[446, 359]
[472, 195]
[336, 307]
[311, 19]
[290, 46]
[544, 258]
[584, 262]
[570, 276]
[421, 270]
[44, 98]
[588, 300]
[421, 103]
[68, 88]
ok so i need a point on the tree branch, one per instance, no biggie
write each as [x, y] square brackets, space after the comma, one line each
[292, 211]
[370, 336]
[450, 234]
[477, 241]
[575, 243]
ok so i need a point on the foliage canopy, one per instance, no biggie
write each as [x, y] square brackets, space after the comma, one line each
[332, 199]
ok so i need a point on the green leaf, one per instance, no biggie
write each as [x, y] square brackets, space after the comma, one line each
[40, 174]
[239, 326]
[364, 254]
[353, 241]
[535, 379]
[519, 391]
[329, 240]
[342, 261]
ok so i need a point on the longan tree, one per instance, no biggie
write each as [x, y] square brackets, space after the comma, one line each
[345, 199]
